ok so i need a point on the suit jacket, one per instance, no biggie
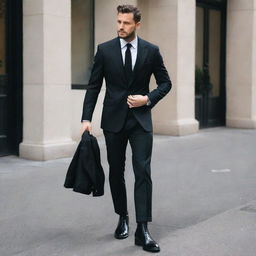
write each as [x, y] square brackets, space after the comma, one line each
[108, 64]
[85, 173]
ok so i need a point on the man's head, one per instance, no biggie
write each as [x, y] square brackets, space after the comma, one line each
[128, 20]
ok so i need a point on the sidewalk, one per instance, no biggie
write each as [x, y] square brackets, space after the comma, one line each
[204, 202]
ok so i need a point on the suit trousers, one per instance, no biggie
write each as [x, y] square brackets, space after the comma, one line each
[141, 145]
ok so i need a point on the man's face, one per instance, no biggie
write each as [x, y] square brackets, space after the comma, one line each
[126, 26]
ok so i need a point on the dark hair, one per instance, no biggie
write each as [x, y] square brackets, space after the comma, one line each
[127, 8]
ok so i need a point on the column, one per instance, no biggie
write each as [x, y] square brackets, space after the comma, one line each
[46, 80]
[241, 64]
[171, 25]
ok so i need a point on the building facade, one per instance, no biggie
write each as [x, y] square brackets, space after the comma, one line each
[46, 53]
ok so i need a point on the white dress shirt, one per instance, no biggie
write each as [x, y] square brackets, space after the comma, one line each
[134, 49]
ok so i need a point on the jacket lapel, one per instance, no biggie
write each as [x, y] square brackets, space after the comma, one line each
[141, 56]
[119, 59]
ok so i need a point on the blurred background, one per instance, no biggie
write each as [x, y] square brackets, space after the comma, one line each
[46, 55]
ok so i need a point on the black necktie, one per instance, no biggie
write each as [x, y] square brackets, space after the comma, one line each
[128, 63]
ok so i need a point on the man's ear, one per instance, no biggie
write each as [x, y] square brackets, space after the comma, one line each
[138, 24]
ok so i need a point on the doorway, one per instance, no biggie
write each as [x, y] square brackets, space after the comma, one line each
[210, 98]
[10, 76]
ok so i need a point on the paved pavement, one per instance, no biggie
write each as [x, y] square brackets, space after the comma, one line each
[204, 202]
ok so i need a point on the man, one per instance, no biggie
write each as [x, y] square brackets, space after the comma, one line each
[127, 63]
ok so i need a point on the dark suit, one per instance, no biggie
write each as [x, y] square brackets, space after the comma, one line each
[121, 124]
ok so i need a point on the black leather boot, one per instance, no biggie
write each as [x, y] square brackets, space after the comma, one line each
[144, 239]
[122, 229]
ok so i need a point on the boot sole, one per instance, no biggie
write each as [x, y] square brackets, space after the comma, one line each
[121, 237]
[139, 243]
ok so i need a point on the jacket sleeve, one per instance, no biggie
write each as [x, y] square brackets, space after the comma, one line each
[93, 87]
[162, 79]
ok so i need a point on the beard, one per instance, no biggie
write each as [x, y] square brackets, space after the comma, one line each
[125, 35]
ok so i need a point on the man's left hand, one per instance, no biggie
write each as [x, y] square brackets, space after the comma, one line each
[135, 101]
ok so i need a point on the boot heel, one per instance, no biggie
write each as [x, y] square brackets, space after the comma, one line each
[138, 242]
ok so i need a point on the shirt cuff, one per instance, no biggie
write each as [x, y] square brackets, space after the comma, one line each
[148, 102]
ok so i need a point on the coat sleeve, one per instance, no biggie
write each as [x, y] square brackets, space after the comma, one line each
[93, 87]
[162, 79]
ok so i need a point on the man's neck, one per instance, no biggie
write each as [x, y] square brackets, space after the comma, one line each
[128, 40]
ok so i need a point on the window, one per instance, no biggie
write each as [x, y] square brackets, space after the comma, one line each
[82, 43]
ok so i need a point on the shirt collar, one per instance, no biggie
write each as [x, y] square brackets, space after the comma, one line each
[134, 42]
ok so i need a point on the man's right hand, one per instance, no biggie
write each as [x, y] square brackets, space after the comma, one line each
[86, 126]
